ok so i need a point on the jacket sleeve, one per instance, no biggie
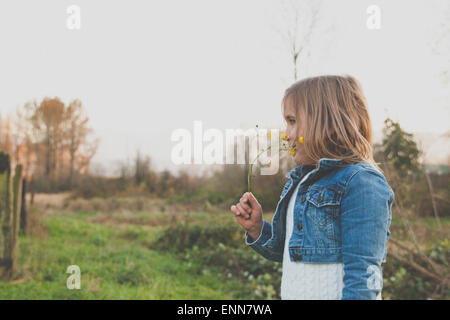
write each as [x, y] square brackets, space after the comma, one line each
[365, 221]
[269, 249]
[263, 246]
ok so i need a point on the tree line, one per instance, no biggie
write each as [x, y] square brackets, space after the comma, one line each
[52, 141]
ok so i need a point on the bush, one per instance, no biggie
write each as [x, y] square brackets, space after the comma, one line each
[401, 281]
[180, 237]
[221, 247]
[261, 277]
[90, 187]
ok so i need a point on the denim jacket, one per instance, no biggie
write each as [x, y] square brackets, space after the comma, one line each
[342, 213]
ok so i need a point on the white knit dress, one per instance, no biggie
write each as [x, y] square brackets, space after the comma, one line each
[309, 281]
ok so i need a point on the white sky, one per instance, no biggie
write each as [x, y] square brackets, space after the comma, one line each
[145, 68]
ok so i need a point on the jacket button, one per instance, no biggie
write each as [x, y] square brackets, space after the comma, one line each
[303, 199]
[297, 257]
[299, 226]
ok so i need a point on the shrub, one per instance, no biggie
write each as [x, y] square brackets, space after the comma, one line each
[221, 247]
[401, 281]
[180, 237]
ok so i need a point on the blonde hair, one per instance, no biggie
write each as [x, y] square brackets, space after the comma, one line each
[337, 122]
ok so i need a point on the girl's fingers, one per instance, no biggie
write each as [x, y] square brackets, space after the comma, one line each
[253, 202]
[242, 211]
[245, 205]
[235, 210]
[238, 213]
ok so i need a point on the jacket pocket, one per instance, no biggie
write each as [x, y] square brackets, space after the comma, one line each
[324, 204]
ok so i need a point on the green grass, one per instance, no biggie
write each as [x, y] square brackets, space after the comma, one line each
[115, 263]
[117, 258]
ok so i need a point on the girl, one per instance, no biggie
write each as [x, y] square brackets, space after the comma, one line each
[331, 225]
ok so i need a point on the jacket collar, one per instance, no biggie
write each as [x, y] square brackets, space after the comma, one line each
[325, 164]
[297, 172]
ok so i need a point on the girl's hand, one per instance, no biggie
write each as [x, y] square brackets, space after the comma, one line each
[248, 213]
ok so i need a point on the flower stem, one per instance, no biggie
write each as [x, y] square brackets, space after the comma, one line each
[250, 169]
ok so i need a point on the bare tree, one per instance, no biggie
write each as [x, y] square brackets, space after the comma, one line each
[47, 122]
[24, 144]
[300, 18]
[141, 168]
[53, 140]
[5, 135]
[76, 131]
[85, 153]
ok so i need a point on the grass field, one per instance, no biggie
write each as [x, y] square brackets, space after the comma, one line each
[117, 260]
[115, 263]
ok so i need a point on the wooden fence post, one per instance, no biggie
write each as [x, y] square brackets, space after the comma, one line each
[5, 217]
[23, 211]
[10, 206]
[17, 200]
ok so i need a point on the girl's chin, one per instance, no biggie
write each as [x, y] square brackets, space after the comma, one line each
[298, 159]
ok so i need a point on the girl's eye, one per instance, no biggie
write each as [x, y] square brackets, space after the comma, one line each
[292, 121]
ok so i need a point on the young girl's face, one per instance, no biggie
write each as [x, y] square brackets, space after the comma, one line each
[294, 130]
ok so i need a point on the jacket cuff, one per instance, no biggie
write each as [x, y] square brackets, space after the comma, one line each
[266, 234]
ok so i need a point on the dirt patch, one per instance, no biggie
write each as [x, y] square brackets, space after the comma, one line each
[49, 200]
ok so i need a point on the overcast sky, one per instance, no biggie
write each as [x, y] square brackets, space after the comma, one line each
[145, 68]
